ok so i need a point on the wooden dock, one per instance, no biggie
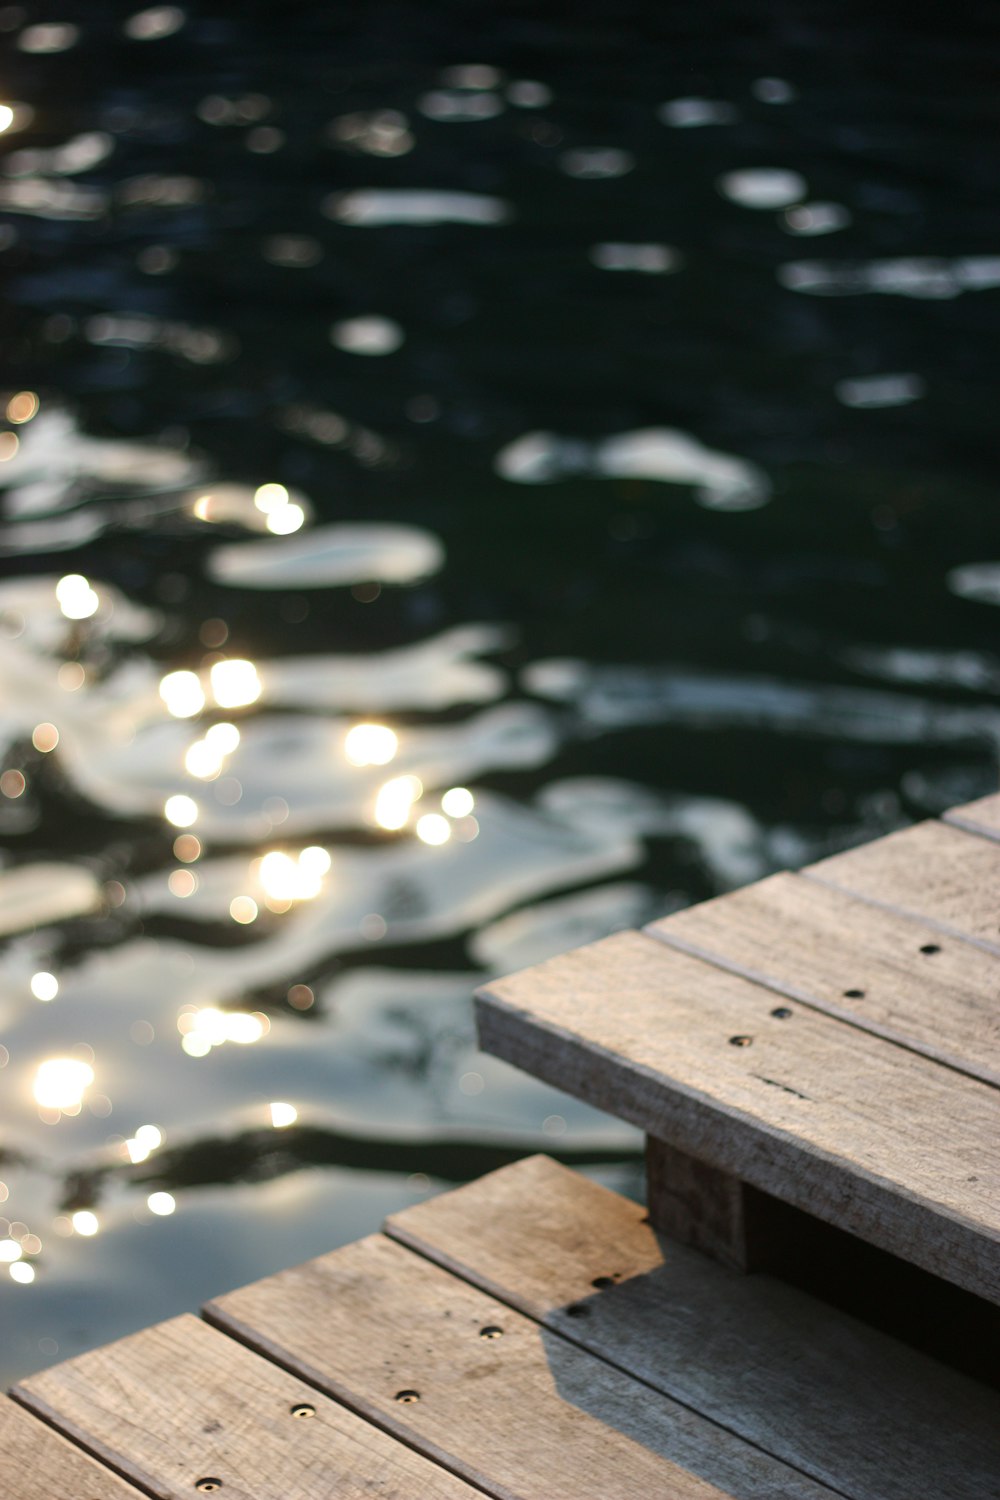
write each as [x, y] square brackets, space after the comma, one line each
[815, 1060]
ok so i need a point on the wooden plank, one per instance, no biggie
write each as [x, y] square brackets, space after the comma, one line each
[942, 874]
[37, 1464]
[829, 1395]
[848, 1127]
[887, 974]
[179, 1407]
[981, 816]
[515, 1408]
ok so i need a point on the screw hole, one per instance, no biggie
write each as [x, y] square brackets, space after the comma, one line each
[303, 1409]
[491, 1332]
[600, 1282]
[208, 1486]
[854, 994]
[740, 1041]
[578, 1310]
[407, 1398]
[781, 1012]
[930, 948]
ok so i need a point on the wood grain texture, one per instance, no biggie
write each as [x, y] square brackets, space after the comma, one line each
[887, 974]
[520, 1411]
[37, 1464]
[946, 876]
[180, 1402]
[870, 1137]
[981, 816]
[697, 1205]
[816, 1388]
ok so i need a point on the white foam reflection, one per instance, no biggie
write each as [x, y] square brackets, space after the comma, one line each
[876, 391]
[330, 556]
[617, 696]
[908, 276]
[652, 260]
[81, 154]
[978, 581]
[41, 198]
[721, 480]
[367, 207]
[431, 674]
[692, 112]
[34, 895]
[763, 187]
[368, 335]
[458, 106]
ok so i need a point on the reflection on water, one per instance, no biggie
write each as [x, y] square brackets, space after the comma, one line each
[392, 596]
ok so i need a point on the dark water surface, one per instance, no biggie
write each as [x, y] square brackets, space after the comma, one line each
[626, 394]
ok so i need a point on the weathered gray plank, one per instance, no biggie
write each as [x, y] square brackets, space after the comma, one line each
[180, 1403]
[515, 1408]
[942, 874]
[833, 1397]
[888, 974]
[848, 1127]
[37, 1464]
[698, 1205]
[981, 816]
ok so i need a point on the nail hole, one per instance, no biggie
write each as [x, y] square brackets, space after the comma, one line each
[781, 1012]
[854, 994]
[740, 1041]
[208, 1486]
[930, 948]
[303, 1409]
[407, 1398]
[578, 1310]
[491, 1333]
[600, 1282]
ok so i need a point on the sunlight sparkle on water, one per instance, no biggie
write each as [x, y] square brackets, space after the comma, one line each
[181, 811]
[223, 737]
[235, 683]
[286, 520]
[395, 800]
[187, 848]
[44, 986]
[22, 1272]
[270, 497]
[23, 406]
[285, 879]
[371, 745]
[10, 1250]
[77, 600]
[243, 909]
[209, 1027]
[6, 117]
[161, 1204]
[45, 737]
[85, 1222]
[433, 829]
[182, 693]
[283, 1115]
[61, 1083]
[458, 802]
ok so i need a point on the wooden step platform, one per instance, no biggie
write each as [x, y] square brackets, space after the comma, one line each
[528, 1336]
[827, 1041]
